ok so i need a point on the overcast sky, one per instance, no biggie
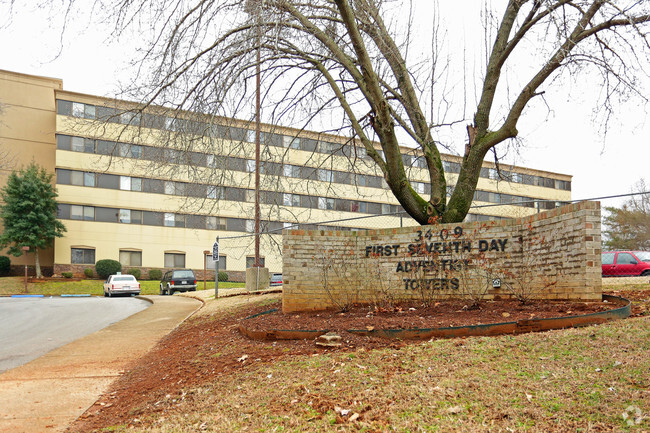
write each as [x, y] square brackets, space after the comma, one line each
[563, 140]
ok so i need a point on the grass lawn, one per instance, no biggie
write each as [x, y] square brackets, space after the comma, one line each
[592, 379]
[16, 285]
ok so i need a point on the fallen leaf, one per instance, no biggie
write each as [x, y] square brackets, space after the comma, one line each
[454, 410]
[354, 417]
[243, 358]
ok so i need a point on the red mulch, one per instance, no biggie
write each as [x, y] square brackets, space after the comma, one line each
[188, 356]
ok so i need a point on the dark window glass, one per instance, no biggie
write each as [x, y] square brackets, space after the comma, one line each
[237, 134]
[308, 144]
[83, 256]
[174, 260]
[136, 217]
[236, 164]
[153, 121]
[235, 194]
[374, 208]
[485, 172]
[195, 222]
[89, 145]
[107, 114]
[250, 261]
[106, 214]
[309, 202]
[62, 176]
[236, 225]
[152, 153]
[156, 186]
[106, 147]
[625, 259]
[63, 211]
[152, 218]
[341, 177]
[63, 142]
[63, 107]
[342, 205]
[109, 181]
[528, 179]
[271, 139]
[308, 173]
[373, 181]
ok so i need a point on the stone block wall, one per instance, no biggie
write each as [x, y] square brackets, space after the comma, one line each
[550, 255]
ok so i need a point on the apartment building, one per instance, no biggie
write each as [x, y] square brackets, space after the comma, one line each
[154, 189]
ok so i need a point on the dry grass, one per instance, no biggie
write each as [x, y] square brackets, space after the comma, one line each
[585, 379]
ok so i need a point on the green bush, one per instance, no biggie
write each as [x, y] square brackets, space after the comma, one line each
[5, 266]
[106, 267]
[67, 274]
[89, 273]
[134, 272]
[155, 274]
[222, 276]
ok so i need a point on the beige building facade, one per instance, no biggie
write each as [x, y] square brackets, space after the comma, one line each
[154, 189]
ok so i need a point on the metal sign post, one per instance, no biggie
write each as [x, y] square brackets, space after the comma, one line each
[215, 257]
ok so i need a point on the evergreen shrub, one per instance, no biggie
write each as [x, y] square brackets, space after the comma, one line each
[106, 267]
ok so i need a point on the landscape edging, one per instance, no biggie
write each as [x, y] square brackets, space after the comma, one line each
[491, 329]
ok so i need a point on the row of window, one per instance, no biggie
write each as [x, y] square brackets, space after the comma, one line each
[131, 258]
[170, 219]
[77, 109]
[129, 183]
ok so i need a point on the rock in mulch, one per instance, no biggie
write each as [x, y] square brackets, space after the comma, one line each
[331, 339]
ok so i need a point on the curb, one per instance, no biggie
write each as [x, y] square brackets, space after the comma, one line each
[492, 329]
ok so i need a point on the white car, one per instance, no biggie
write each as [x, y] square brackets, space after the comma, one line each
[118, 284]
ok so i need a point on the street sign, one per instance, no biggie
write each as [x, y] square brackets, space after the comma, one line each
[215, 251]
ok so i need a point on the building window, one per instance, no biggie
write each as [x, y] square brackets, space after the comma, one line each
[125, 216]
[174, 220]
[291, 199]
[86, 213]
[131, 258]
[209, 262]
[250, 226]
[85, 256]
[325, 203]
[216, 192]
[174, 260]
[291, 142]
[325, 175]
[250, 261]
[418, 187]
[78, 109]
[291, 171]
[250, 165]
[169, 187]
[385, 209]
[215, 223]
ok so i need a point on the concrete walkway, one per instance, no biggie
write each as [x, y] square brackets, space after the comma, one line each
[49, 393]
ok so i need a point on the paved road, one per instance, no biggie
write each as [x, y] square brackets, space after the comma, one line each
[31, 327]
[48, 393]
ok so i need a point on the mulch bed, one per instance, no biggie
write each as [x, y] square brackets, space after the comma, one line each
[415, 315]
[205, 348]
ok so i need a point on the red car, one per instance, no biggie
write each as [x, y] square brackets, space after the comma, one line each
[626, 263]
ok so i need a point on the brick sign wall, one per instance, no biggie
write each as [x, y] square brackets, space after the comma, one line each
[550, 255]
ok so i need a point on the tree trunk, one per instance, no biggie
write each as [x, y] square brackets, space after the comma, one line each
[37, 264]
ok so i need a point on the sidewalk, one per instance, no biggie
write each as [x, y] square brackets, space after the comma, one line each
[47, 394]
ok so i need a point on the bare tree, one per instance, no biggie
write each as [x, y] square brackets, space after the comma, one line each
[350, 59]
[628, 227]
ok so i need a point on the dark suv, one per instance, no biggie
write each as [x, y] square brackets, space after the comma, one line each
[179, 280]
